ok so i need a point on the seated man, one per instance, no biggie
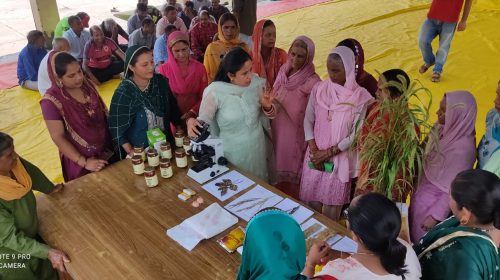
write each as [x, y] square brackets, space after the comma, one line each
[59, 44]
[111, 30]
[77, 37]
[144, 36]
[169, 17]
[217, 10]
[202, 34]
[196, 19]
[98, 61]
[63, 25]
[178, 6]
[29, 60]
[134, 21]
[188, 14]
[153, 12]
[160, 53]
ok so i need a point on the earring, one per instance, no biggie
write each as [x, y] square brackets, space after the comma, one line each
[464, 222]
[59, 83]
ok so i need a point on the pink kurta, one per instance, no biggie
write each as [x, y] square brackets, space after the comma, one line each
[288, 130]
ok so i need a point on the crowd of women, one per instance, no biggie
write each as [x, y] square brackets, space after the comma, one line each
[279, 121]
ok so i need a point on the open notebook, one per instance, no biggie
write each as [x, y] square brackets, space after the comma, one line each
[204, 225]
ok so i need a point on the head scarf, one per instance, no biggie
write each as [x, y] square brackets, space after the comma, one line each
[196, 73]
[129, 55]
[80, 120]
[15, 188]
[455, 149]
[347, 101]
[235, 42]
[274, 248]
[278, 56]
[298, 78]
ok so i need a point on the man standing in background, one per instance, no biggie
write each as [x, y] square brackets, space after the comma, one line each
[246, 13]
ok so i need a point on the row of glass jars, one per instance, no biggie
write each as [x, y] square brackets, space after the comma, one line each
[153, 159]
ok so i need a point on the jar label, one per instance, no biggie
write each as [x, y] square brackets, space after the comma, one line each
[181, 162]
[152, 181]
[154, 161]
[179, 141]
[139, 168]
[166, 172]
[166, 154]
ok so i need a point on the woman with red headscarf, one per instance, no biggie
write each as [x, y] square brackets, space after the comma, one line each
[363, 78]
[186, 76]
[267, 59]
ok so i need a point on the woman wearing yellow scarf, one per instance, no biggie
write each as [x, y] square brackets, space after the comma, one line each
[22, 254]
[228, 38]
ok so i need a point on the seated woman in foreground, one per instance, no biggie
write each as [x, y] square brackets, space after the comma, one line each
[465, 246]
[18, 219]
[374, 223]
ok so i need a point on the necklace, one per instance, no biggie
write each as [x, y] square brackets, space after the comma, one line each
[366, 254]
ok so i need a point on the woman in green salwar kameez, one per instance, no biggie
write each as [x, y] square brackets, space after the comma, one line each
[23, 255]
[465, 246]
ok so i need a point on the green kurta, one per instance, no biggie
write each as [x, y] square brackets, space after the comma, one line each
[22, 255]
[462, 253]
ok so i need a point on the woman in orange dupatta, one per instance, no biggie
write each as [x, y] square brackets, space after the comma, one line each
[228, 39]
[267, 59]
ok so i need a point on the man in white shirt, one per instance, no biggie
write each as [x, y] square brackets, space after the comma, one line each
[60, 44]
[77, 37]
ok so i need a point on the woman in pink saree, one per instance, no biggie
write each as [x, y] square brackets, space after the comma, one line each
[291, 90]
[453, 151]
[331, 121]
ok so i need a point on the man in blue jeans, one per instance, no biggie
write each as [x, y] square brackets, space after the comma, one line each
[442, 20]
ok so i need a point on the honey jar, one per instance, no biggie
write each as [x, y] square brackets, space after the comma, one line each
[139, 151]
[181, 158]
[186, 144]
[179, 137]
[150, 177]
[138, 164]
[153, 157]
[165, 150]
[166, 168]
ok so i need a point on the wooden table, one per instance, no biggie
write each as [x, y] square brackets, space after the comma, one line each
[113, 227]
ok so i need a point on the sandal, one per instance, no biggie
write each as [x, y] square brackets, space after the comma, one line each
[436, 77]
[424, 68]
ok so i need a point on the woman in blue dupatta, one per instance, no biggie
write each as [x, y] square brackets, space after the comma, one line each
[465, 246]
[143, 101]
[274, 248]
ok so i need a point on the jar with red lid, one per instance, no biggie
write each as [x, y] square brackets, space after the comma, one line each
[150, 177]
[166, 168]
[181, 158]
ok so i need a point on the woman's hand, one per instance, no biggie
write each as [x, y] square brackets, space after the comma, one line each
[94, 165]
[266, 99]
[128, 149]
[319, 156]
[58, 258]
[189, 114]
[429, 223]
[318, 251]
[192, 127]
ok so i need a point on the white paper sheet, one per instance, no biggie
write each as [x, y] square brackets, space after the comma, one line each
[342, 244]
[249, 204]
[237, 178]
[211, 221]
[309, 223]
[300, 214]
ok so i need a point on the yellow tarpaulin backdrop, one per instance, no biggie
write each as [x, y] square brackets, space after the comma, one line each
[387, 29]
